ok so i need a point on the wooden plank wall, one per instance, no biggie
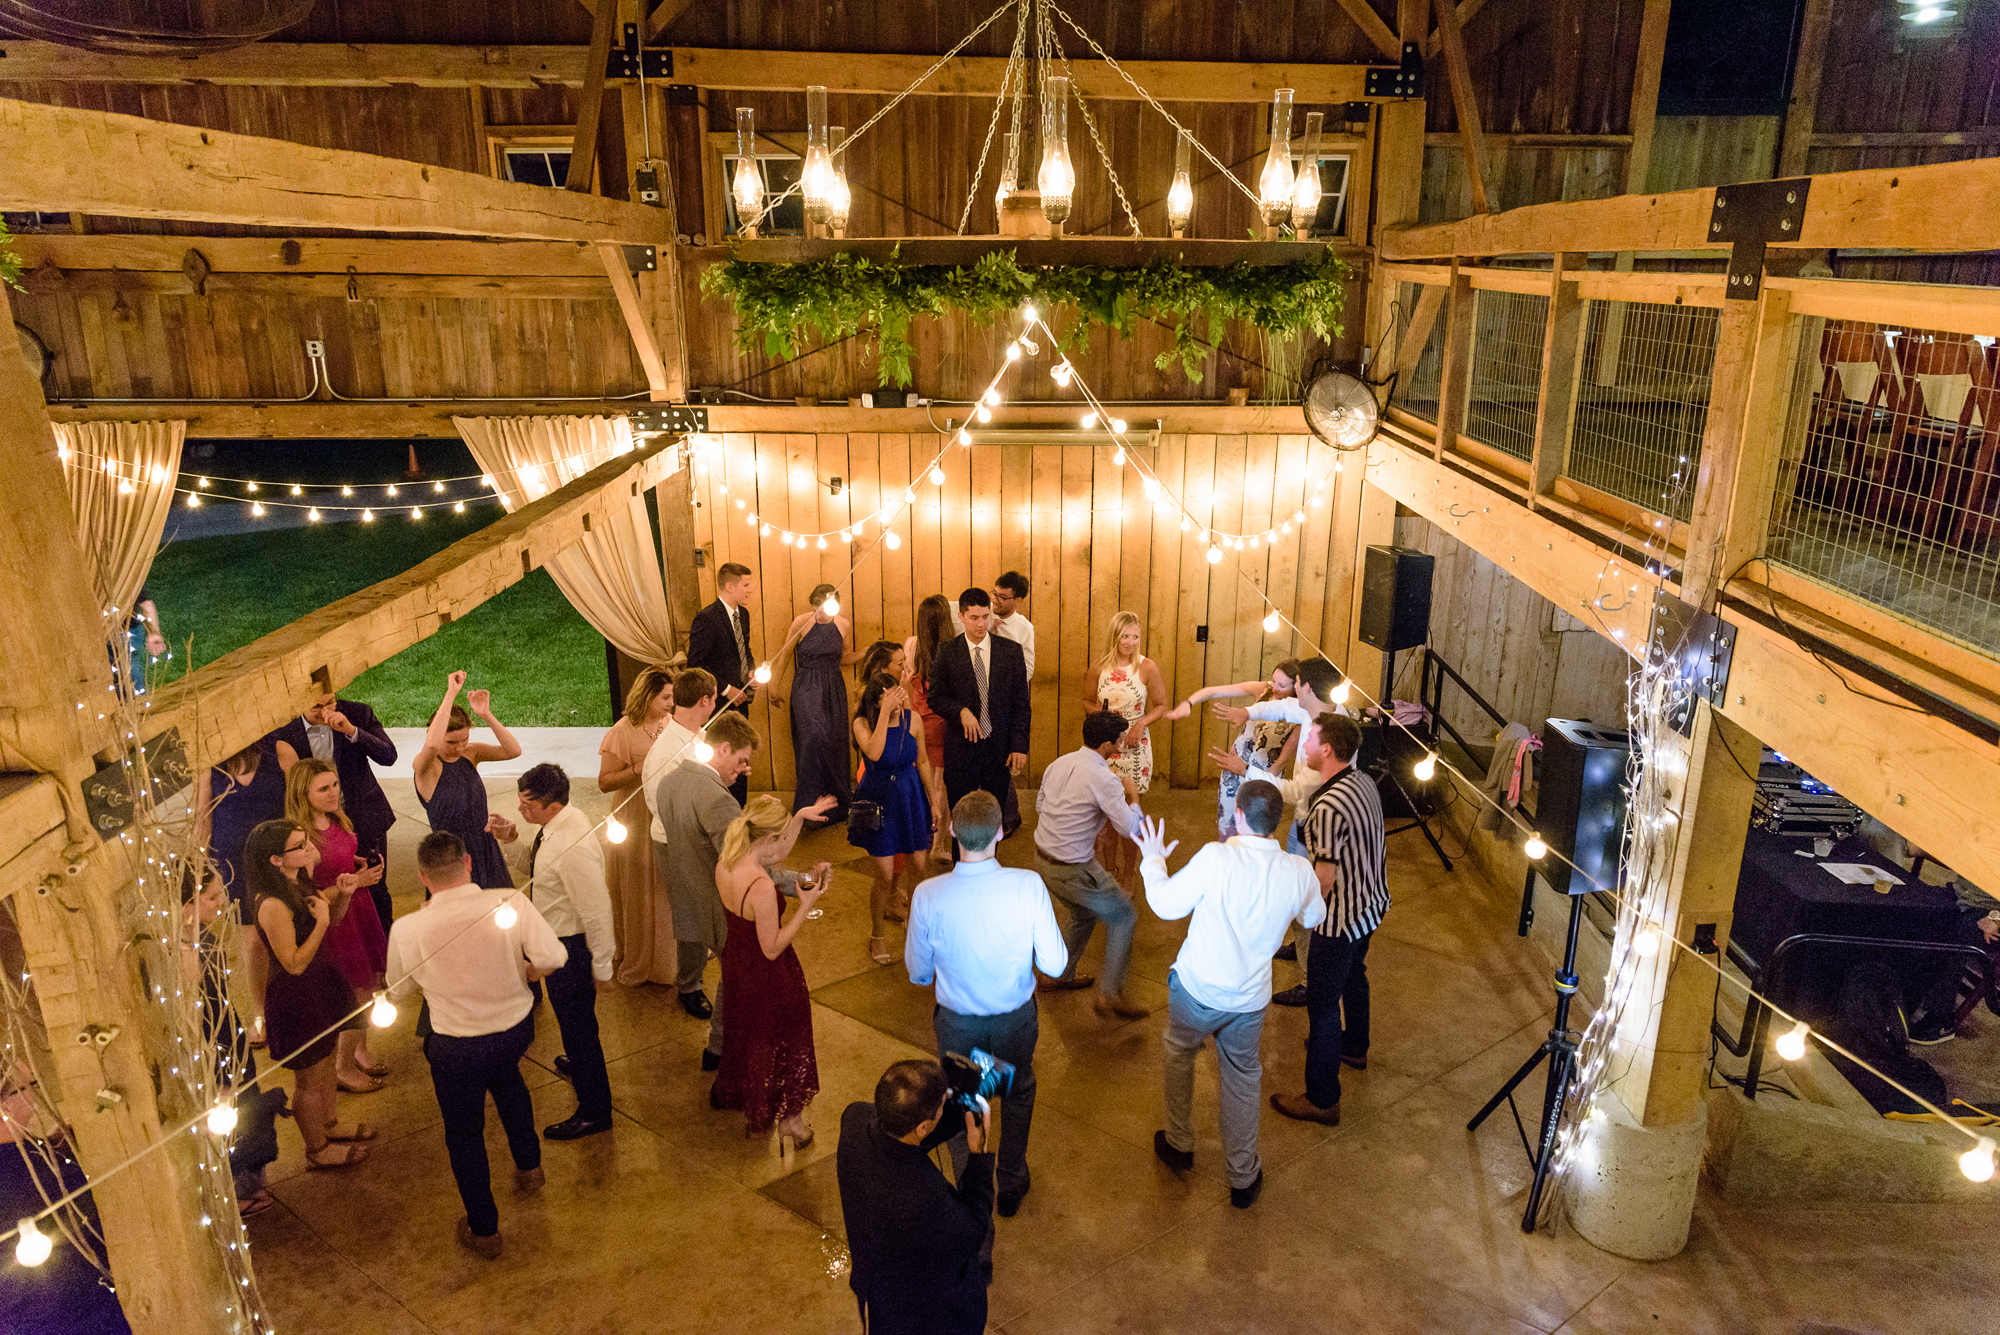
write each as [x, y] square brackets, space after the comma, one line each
[1529, 659]
[1064, 515]
[1547, 67]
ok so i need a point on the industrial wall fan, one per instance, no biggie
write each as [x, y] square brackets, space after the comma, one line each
[1341, 410]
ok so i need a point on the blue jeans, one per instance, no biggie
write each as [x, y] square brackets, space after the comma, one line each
[1237, 1035]
[1092, 894]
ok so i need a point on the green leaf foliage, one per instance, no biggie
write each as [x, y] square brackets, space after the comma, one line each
[10, 260]
[777, 305]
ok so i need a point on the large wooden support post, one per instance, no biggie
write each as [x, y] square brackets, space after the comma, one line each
[1455, 375]
[590, 100]
[1749, 402]
[658, 293]
[1638, 165]
[1465, 103]
[80, 938]
[1562, 367]
[675, 497]
[1803, 109]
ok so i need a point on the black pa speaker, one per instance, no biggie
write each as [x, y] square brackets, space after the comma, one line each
[1580, 798]
[1396, 598]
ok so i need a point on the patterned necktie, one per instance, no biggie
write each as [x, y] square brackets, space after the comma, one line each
[979, 671]
[736, 621]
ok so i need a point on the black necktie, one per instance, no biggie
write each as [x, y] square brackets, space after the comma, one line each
[532, 854]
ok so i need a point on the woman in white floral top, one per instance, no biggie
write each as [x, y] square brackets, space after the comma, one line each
[1128, 683]
[1267, 745]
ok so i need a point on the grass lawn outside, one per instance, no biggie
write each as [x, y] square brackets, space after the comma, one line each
[543, 662]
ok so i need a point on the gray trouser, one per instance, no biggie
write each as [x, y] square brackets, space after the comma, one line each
[1091, 894]
[1237, 1036]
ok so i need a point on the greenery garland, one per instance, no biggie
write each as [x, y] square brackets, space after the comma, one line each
[10, 260]
[852, 294]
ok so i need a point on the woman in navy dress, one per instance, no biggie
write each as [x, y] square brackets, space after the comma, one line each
[897, 778]
[244, 791]
[446, 773]
[818, 641]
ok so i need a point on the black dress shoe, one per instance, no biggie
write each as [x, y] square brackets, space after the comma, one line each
[1288, 952]
[1010, 1202]
[711, 1061]
[1178, 1160]
[1291, 996]
[575, 1128]
[1245, 1197]
[696, 1004]
[562, 1067]
[1358, 1063]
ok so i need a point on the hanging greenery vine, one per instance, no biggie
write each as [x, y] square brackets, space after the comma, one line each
[10, 260]
[851, 294]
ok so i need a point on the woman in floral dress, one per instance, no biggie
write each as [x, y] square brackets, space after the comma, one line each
[1128, 683]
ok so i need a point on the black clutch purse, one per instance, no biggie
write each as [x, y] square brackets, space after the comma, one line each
[864, 817]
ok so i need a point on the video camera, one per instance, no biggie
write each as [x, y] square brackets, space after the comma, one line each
[973, 1080]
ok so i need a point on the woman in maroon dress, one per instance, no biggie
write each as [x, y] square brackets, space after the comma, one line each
[356, 944]
[919, 652]
[768, 1069]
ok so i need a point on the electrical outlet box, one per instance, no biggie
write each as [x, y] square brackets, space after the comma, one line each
[1201, 634]
[315, 348]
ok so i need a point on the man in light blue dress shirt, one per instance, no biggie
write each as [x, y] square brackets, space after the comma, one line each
[981, 932]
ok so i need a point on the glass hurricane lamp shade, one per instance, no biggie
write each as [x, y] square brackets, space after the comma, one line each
[816, 179]
[1180, 195]
[1274, 187]
[1305, 185]
[1010, 174]
[1057, 178]
[748, 183]
[838, 198]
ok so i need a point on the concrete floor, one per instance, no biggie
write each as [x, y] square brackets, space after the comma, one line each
[1398, 1220]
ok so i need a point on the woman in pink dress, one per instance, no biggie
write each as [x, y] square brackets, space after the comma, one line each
[1128, 683]
[643, 925]
[356, 944]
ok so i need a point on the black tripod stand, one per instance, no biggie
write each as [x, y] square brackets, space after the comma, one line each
[1560, 1050]
[1385, 772]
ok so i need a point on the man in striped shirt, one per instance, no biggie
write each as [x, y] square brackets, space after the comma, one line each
[1343, 834]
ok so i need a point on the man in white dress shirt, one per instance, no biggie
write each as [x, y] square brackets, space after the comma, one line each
[694, 703]
[981, 932]
[1243, 895]
[565, 868]
[1079, 796]
[474, 975]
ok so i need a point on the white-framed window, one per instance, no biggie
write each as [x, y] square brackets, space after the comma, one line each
[535, 164]
[780, 171]
[1331, 220]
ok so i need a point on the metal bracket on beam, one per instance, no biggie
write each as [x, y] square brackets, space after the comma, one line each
[1750, 216]
[641, 259]
[107, 795]
[657, 419]
[629, 59]
[1698, 648]
[1403, 81]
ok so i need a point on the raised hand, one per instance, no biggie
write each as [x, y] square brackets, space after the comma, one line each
[339, 723]
[346, 883]
[501, 828]
[456, 681]
[1232, 714]
[1179, 712]
[481, 702]
[1152, 840]
[817, 811]
[1229, 760]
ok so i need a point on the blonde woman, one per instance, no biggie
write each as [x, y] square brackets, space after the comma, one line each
[768, 1069]
[1129, 684]
[356, 944]
[645, 931]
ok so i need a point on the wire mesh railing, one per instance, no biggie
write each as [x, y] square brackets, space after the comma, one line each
[1418, 395]
[1889, 489]
[1642, 402]
[1508, 330]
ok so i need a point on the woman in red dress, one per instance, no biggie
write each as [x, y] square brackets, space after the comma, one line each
[768, 1069]
[919, 652]
[356, 945]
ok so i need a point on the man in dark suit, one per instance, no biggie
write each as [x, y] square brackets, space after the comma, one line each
[719, 643]
[915, 1238]
[979, 687]
[347, 733]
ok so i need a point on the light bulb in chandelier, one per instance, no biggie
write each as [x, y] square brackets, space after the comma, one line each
[1305, 185]
[33, 1247]
[762, 674]
[222, 1118]
[505, 916]
[1057, 178]
[1792, 1044]
[1274, 186]
[937, 476]
[1271, 623]
[1535, 848]
[614, 829]
[816, 179]
[1425, 769]
[1977, 1162]
[1180, 195]
[748, 182]
[383, 1013]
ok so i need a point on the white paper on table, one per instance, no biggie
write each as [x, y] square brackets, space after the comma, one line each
[1860, 873]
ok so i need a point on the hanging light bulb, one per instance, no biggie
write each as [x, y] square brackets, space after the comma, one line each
[1975, 1164]
[1117, 426]
[1427, 768]
[1057, 179]
[847, 535]
[891, 541]
[1186, 523]
[1253, 541]
[831, 606]
[1215, 556]
[816, 180]
[222, 1119]
[1792, 1045]
[416, 512]
[34, 1246]
[1271, 623]
[1305, 185]
[437, 486]
[703, 752]
[1201, 536]
[1030, 314]
[1062, 373]
[312, 515]
[248, 487]
[458, 508]
[1180, 195]
[983, 413]
[839, 199]
[391, 489]
[125, 487]
[1274, 187]
[762, 675]
[297, 490]
[257, 509]
[1118, 456]
[485, 480]
[614, 829]
[201, 482]
[937, 476]
[1341, 690]
[821, 543]
[505, 916]
[1013, 352]
[383, 1013]
[347, 491]
[763, 530]
[1089, 420]
[748, 182]
[367, 516]
[1535, 847]
[194, 501]
[964, 436]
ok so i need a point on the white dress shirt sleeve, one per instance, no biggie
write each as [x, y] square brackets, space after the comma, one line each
[1051, 954]
[581, 869]
[1294, 790]
[1026, 639]
[1175, 896]
[400, 966]
[1279, 711]
[539, 942]
[1312, 903]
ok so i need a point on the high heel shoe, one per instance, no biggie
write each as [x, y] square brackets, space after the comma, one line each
[878, 950]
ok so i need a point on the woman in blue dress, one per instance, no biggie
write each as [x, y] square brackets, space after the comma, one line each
[897, 779]
[446, 773]
[817, 641]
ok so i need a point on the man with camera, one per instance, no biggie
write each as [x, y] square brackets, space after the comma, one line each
[916, 1240]
[981, 931]
[1241, 897]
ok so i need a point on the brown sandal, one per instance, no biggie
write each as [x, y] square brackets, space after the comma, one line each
[362, 1084]
[362, 1131]
[350, 1155]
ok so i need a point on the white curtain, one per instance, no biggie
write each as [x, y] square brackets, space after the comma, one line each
[612, 574]
[121, 486]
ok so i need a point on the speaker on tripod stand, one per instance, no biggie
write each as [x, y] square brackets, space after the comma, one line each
[1396, 615]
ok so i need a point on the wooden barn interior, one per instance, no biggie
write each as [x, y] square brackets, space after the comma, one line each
[1665, 390]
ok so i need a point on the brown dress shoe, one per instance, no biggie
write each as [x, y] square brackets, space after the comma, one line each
[529, 1179]
[488, 1247]
[1300, 1108]
[1075, 983]
[1123, 1009]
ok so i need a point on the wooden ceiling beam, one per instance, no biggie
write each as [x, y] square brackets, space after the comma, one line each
[343, 65]
[314, 255]
[590, 102]
[359, 287]
[128, 166]
[1465, 103]
[1365, 18]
